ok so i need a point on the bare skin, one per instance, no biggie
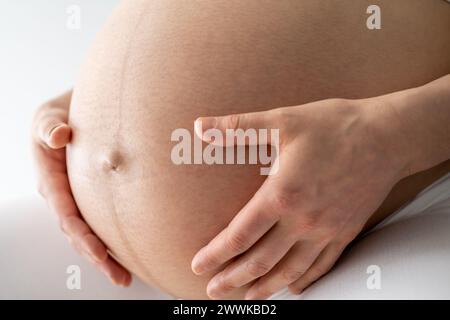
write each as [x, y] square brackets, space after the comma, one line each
[51, 134]
[137, 87]
[301, 219]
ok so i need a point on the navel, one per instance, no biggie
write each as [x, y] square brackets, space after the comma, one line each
[112, 161]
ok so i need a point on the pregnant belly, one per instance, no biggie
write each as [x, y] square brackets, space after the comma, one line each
[158, 65]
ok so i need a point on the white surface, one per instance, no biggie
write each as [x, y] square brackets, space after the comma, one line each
[413, 254]
[34, 257]
[39, 59]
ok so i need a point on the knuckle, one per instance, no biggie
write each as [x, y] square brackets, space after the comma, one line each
[327, 231]
[307, 223]
[257, 268]
[264, 215]
[295, 288]
[236, 242]
[39, 117]
[327, 225]
[225, 284]
[281, 115]
[290, 275]
[319, 270]
[77, 249]
[284, 201]
[38, 112]
[286, 118]
[70, 240]
[210, 258]
[63, 227]
[44, 107]
[345, 239]
[70, 225]
[262, 291]
[334, 220]
[339, 218]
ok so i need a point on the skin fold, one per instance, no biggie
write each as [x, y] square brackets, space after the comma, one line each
[158, 65]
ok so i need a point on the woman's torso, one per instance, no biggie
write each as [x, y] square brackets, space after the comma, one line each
[158, 65]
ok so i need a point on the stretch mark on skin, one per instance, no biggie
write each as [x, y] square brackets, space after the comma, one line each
[115, 163]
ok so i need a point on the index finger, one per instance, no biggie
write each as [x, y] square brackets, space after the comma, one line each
[59, 196]
[249, 225]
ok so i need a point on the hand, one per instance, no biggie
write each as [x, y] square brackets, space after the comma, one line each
[50, 136]
[336, 166]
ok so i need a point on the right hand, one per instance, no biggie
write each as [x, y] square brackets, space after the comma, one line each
[50, 135]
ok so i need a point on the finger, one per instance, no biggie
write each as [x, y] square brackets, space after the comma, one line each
[61, 202]
[320, 267]
[115, 272]
[245, 121]
[75, 245]
[50, 115]
[256, 262]
[63, 205]
[83, 237]
[291, 268]
[59, 136]
[249, 225]
[52, 129]
[59, 198]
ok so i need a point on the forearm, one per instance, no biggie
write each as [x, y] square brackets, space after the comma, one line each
[420, 124]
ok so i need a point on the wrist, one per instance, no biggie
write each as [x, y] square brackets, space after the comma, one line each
[412, 125]
[390, 135]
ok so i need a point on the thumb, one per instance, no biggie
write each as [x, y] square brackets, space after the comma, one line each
[54, 133]
[49, 127]
[240, 129]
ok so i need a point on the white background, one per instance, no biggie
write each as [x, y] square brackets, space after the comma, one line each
[39, 59]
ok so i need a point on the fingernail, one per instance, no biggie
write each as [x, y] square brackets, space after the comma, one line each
[108, 274]
[49, 135]
[212, 290]
[252, 294]
[122, 283]
[203, 124]
[198, 127]
[95, 257]
[91, 255]
[297, 291]
[113, 280]
[126, 281]
[196, 265]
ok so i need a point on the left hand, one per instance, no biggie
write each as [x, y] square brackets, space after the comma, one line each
[337, 165]
[50, 135]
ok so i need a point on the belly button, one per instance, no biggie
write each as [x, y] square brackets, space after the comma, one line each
[112, 162]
